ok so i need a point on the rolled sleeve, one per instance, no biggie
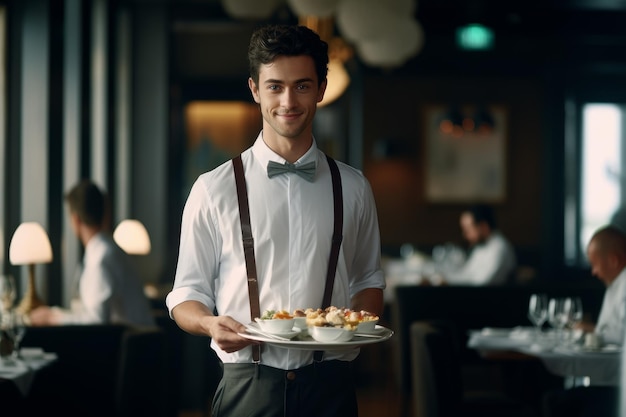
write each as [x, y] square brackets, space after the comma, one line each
[198, 257]
[182, 294]
[366, 269]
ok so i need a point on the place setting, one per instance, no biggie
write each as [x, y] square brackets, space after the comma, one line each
[564, 348]
[561, 314]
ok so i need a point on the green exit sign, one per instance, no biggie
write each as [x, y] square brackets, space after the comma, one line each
[474, 36]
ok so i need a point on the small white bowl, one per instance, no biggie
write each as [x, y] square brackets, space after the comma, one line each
[330, 334]
[300, 322]
[367, 326]
[275, 326]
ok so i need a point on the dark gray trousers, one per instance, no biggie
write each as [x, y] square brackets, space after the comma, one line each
[324, 389]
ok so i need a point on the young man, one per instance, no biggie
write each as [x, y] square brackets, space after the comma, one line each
[109, 289]
[291, 221]
[492, 259]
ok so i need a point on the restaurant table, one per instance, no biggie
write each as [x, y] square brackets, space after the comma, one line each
[577, 364]
[18, 374]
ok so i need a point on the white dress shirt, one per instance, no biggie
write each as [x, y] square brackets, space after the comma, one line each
[109, 289]
[612, 317]
[489, 263]
[292, 225]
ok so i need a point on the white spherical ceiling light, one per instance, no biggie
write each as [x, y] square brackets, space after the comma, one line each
[317, 8]
[395, 46]
[361, 20]
[402, 7]
[250, 9]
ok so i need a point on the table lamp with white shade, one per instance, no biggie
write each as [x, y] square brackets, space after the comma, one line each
[132, 236]
[30, 245]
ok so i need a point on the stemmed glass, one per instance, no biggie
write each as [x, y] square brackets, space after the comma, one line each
[6, 338]
[558, 316]
[12, 325]
[573, 306]
[19, 329]
[538, 311]
[8, 292]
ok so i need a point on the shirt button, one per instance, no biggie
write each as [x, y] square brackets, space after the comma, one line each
[291, 375]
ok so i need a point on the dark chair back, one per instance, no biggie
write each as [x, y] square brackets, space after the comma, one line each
[435, 369]
[82, 381]
[142, 379]
[438, 388]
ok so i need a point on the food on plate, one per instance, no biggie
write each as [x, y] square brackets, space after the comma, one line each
[276, 321]
[360, 316]
[299, 316]
[276, 314]
[338, 317]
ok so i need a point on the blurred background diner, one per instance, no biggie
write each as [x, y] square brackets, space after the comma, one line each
[519, 105]
[107, 287]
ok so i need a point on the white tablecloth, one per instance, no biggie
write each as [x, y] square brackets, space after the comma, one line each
[22, 371]
[602, 366]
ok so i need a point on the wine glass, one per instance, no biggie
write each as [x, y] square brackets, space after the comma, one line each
[558, 315]
[19, 329]
[553, 311]
[6, 338]
[8, 292]
[574, 308]
[538, 311]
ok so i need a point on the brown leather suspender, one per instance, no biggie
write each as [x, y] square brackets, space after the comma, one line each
[248, 248]
[337, 238]
[337, 231]
[248, 243]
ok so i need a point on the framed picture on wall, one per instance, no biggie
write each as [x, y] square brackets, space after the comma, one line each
[465, 154]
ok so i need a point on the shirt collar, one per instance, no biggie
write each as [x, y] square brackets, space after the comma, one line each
[619, 280]
[264, 154]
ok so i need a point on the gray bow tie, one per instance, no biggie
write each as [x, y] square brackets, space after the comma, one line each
[306, 171]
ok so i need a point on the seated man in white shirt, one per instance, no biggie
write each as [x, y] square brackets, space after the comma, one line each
[492, 259]
[109, 290]
[606, 252]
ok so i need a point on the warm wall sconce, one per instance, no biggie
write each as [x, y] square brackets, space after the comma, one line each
[30, 245]
[132, 236]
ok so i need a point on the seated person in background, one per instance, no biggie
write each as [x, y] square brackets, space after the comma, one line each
[491, 260]
[606, 252]
[109, 290]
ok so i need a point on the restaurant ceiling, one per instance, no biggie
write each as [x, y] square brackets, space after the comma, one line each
[208, 43]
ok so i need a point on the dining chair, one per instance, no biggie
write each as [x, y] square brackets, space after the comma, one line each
[82, 381]
[142, 379]
[437, 383]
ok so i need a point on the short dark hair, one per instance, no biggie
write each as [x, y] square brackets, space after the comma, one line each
[269, 42]
[483, 213]
[88, 202]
